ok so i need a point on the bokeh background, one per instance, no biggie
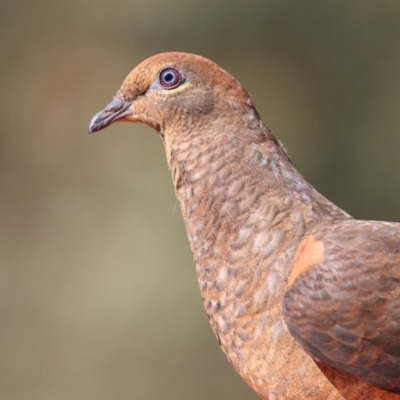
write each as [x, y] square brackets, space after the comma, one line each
[98, 294]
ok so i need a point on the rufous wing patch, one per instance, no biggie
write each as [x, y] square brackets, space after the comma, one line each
[309, 254]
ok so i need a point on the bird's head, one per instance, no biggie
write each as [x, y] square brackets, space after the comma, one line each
[173, 92]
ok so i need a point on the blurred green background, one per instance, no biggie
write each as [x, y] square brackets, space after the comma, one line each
[98, 294]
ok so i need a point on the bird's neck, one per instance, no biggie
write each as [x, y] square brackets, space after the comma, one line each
[230, 186]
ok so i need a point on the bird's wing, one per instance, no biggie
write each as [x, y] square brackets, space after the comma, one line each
[342, 303]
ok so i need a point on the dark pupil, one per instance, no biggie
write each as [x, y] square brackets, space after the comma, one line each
[169, 77]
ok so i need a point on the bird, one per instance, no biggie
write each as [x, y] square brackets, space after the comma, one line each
[303, 299]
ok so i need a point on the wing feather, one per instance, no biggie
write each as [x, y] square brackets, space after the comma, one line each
[344, 306]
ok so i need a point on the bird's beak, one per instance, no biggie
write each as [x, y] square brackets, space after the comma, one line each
[117, 110]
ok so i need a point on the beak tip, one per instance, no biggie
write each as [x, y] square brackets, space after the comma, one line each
[96, 123]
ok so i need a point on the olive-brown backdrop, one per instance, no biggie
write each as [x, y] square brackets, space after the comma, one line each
[98, 294]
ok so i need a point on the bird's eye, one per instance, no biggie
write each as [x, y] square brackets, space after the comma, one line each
[170, 78]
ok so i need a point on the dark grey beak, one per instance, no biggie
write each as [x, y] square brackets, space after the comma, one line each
[115, 111]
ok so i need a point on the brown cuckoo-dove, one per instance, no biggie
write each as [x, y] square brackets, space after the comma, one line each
[303, 299]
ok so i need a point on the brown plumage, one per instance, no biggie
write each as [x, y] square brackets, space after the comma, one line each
[304, 300]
